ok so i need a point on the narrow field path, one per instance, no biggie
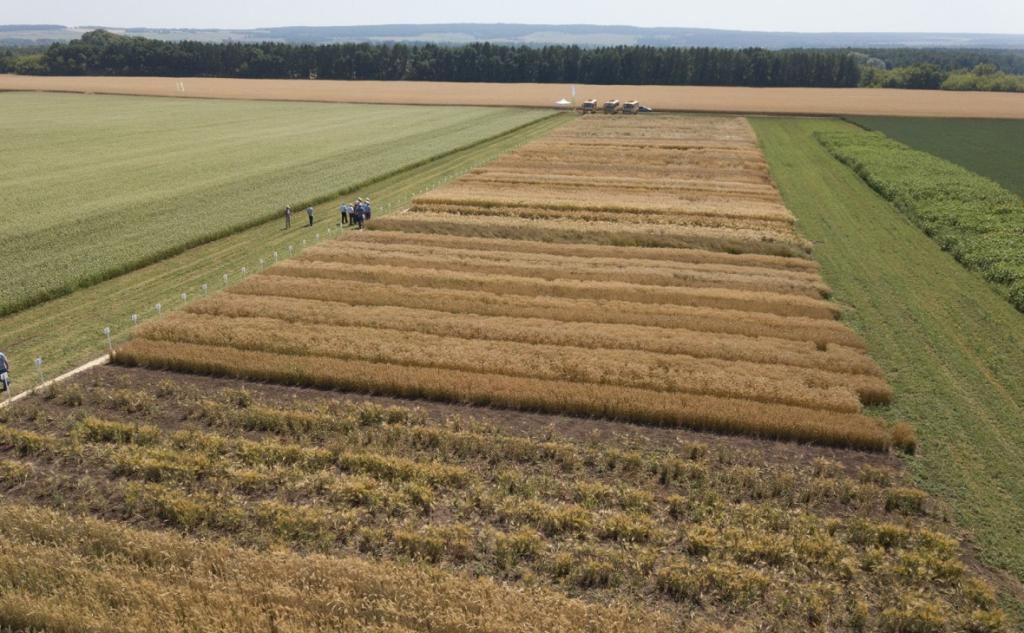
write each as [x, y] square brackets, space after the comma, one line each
[951, 347]
[69, 331]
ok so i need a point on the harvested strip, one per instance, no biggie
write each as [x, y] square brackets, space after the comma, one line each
[822, 333]
[626, 254]
[703, 413]
[660, 372]
[554, 268]
[530, 330]
[783, 305]
[611, 233]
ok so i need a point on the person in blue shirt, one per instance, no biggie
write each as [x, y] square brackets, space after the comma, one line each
[309, 212]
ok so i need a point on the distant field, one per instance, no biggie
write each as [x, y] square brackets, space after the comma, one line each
[94, 186]
[988, 147]
[818, 101]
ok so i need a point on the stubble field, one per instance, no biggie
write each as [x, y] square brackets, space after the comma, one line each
[816, 101]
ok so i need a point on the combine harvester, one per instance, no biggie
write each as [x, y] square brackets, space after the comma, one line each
[611, 106]
[589, 106]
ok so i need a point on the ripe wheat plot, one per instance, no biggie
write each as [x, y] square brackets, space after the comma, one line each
[640, 269]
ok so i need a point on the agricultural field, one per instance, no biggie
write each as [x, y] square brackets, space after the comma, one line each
[972, 217]
[212, 504]
[950, 345]
[120, 182]
[988, 147]
[68, 331]
[713, 99]
[697, 307]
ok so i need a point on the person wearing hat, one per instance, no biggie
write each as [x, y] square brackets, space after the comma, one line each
[366, 206]
[359, 213]
[288, 217]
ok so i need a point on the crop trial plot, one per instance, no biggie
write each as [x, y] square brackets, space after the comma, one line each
[642, 270]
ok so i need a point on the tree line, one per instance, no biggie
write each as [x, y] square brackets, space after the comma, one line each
[104, 53]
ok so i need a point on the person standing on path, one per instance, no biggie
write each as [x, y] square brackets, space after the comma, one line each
[309, 212]
[5, 378]
[288, 217]
[343, 209]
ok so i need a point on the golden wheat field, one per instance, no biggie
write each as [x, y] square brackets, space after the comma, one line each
[635, 269]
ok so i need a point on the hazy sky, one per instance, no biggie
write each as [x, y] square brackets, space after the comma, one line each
[987, 16]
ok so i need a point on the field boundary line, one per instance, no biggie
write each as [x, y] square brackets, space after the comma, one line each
[96, 362]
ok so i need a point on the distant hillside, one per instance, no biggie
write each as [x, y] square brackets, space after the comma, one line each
[529, 34]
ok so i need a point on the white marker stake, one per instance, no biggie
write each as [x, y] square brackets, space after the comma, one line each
[158, 308]
[184, 297]
[110, 344]
[244, 271]
[261, 263]
[135, 319]
[39, 368]
[205, 288]
[225, 280]
[290, 247]
[275, 256]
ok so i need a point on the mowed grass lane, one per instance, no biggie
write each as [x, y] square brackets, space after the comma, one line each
[67, 331]
[96, 186]
[985, 146]
[951, 347]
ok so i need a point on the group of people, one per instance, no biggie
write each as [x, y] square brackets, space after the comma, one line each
[355, 214]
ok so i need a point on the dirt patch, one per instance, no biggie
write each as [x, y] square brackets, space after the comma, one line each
[813, 101]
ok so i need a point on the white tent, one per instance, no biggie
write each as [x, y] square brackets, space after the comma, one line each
[563, 103]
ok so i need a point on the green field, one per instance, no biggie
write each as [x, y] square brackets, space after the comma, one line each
[95, 186]
[990, 147]
[952, 348]
[67, 331]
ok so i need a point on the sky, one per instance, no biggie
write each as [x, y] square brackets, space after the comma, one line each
[977, 16]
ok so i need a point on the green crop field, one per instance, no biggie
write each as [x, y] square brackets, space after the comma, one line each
[990, 147]
[95, 186]
[67, 331]
[951, 347]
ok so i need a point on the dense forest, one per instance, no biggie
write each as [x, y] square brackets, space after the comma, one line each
[103, 53]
